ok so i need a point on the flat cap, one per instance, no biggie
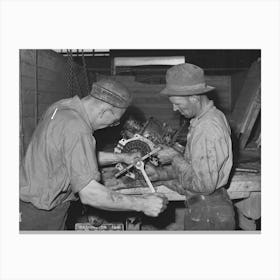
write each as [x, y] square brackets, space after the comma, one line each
[111, 92]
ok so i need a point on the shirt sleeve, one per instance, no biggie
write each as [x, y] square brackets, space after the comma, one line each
[81, 161]
[211, 162]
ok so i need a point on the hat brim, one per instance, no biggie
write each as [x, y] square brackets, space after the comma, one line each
[171, 92]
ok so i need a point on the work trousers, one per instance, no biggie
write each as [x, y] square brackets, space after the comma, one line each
[32, 218]
[209, 212]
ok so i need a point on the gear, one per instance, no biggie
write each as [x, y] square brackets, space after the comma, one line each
[136, 144]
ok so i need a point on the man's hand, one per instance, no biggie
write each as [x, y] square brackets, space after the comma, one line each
[154, 204]
[130, 158]
[108, 158]
[152, 172]
[166, 154]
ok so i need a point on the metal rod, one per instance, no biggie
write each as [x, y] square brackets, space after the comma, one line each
[140, 165]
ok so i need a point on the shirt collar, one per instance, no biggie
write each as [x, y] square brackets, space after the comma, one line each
[206, 109]
[79, 107]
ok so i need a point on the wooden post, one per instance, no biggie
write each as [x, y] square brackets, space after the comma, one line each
[112, 66]
[36, 88]
[21, 139]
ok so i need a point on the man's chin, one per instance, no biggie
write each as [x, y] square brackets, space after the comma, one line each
[188, 116]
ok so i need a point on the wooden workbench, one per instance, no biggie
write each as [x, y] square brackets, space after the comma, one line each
[241, 185]
[244, 190]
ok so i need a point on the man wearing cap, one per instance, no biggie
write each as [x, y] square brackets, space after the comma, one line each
[204, 169]
[60, 164]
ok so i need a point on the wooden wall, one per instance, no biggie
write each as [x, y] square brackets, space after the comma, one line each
[147, 102]
[222, 95]
[52, 73]
[237, 82]
[51, 85]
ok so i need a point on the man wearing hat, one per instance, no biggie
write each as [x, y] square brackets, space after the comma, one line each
[204, 169]
[60, 164]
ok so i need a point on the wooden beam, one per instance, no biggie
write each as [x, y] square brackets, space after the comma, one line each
[250, 120]
[245, 183]
[247, 97]
[139, 61]
[238, 195]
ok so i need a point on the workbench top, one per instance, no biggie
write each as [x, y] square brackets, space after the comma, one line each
[241, 185]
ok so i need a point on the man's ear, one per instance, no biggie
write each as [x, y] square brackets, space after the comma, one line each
[106, 111]
[194, 98]
[101, 112]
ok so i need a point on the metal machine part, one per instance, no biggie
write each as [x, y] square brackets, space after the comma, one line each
[137, 143]
[144, 138]
[152, 129]
[137, 164]
[140, 166]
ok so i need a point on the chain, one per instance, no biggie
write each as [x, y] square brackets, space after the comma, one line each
[85, 72]
[70, 72]
[73, 83]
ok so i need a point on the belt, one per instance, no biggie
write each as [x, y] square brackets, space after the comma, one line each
[200, 197]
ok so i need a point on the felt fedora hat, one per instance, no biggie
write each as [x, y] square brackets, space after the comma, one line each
[185, 79]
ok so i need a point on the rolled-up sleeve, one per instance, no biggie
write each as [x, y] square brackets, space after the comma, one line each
[211, 162]
[81, 161]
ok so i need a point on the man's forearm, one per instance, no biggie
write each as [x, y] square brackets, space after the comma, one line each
[166, 173]
[188, 178]
[179, 164]
[106, 158]
[183, 171]
[97, 195]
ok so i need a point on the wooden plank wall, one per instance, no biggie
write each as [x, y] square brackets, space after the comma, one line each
[52, 71]
[237, 81]
[147, 102]
[222, 95]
